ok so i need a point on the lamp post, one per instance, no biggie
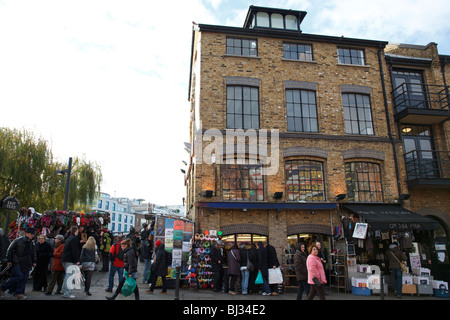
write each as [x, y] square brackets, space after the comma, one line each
[63, 172]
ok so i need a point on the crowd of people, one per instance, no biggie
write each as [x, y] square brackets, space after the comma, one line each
[245, 264]
[120, 255]
[50, 261]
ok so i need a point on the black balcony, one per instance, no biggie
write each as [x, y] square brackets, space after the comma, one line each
[428, 168]
[417, 103]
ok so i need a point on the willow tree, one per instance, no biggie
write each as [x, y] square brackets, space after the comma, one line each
[27, 171]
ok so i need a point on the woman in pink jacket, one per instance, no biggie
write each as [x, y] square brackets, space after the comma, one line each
[316, 274]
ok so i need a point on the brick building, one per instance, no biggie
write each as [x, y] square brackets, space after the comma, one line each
[350, 125]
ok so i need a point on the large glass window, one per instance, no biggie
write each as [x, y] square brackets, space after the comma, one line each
[242, 47]
[295, 51]
[357, 114]
[242, 182]
[301, 110]
[242, 107]
[351, 56]
[304, 180]
[363, 181]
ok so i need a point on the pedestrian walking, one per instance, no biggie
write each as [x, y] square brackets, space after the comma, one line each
[70, 257]
[316, 274]
[116, 257]
[234, 267]
[88, 258]
[21, 256]
[57, 276]
[44, 252]
[301, 271]
[130, 265]
[159, 268]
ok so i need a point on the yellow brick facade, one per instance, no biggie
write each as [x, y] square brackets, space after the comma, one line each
[211, 67]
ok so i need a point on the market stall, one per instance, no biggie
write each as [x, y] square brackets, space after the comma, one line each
[369, 230]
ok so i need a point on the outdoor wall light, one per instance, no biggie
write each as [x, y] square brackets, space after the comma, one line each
[208, 193]
[341, 196]
[278, 195]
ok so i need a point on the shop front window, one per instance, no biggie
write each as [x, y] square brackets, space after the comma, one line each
[239, 239]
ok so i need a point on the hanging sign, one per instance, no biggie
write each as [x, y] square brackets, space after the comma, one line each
[10, 203]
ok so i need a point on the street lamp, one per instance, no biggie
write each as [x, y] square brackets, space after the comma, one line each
[63, 172]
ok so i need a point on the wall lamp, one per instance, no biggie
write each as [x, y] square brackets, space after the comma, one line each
[207, 193]
[341, 196]
[278, 195]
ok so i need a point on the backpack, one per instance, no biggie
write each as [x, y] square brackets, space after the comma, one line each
[118, 254]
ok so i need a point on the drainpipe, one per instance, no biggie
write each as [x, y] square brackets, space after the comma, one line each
[386, 110]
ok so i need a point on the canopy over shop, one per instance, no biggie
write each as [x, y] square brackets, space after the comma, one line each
[387, 217]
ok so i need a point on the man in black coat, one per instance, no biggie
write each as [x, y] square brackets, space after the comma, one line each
[272, 262]
[263, 267]
[217, 263]
[21, 256]
[159, 268]
[70, 256]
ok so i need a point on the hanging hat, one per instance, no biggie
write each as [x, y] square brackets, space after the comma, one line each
[158, 243]
[30, 230]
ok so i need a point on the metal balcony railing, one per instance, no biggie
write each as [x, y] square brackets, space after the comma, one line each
[421, 96]
[431, 164]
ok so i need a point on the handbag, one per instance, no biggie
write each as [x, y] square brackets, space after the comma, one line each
[402, 264]
[129, 285]
[275, 276]
[250, 265]
[259, 278]
[317, 282]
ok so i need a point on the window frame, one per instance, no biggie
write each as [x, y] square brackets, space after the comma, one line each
[234, 47]
[297, 46]
[354, 191]
[359, 110]
[301, 106]
[296, 195]
[234, 102]
[351, 58]
[232, 170]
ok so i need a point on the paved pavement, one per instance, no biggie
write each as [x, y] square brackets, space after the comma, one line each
[100, 282]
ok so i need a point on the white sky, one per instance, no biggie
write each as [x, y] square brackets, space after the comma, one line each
[108, 80]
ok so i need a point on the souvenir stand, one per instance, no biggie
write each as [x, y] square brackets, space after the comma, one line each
[199, 273]
[175, 233]
[369, 231]
[54, 222]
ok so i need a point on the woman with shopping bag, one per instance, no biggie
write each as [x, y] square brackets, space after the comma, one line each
[130, 266]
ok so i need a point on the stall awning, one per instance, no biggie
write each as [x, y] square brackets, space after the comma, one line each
[386, 217]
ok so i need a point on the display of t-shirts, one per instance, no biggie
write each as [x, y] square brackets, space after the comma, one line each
[405, 239]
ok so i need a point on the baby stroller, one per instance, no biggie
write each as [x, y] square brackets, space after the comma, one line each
[4, 271]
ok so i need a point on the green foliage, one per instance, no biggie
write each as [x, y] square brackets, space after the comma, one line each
[27, 171]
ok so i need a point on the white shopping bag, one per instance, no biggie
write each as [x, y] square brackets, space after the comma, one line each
[275, 276]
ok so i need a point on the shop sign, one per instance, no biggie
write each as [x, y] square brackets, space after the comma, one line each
[10, 203]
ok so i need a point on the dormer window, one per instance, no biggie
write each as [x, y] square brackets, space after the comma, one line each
[259, 17]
